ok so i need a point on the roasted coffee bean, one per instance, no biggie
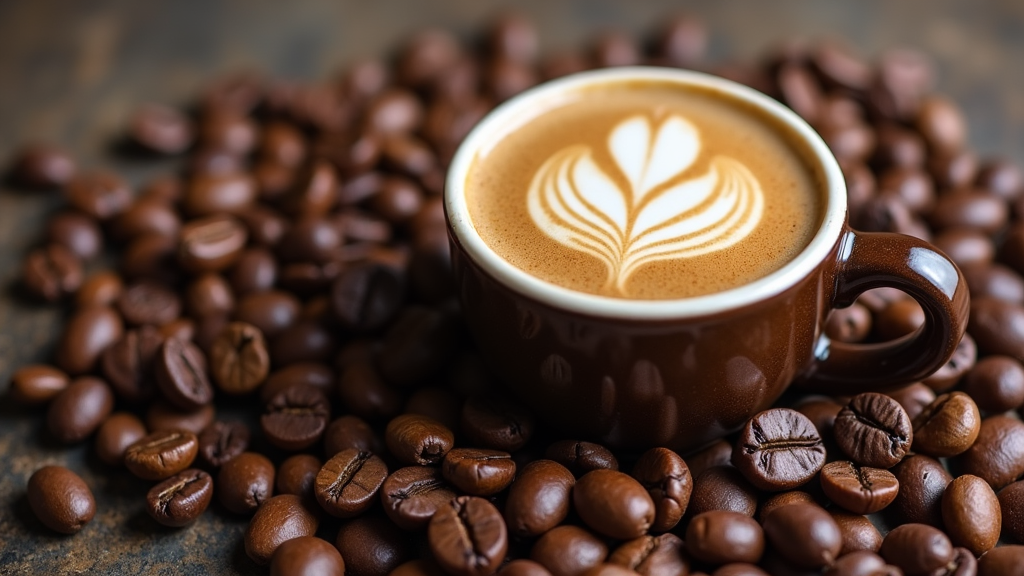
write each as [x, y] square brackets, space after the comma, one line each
[215, 193]
[997, 327]
[314, 192]
[721, 537]
[161, 129]
[1011, 506]
[350, 432]
[129, 363]
[60, 499]
[783, 499]
[858, 532]
[607, 570]
[477, 471]
[613, 503]
[77, 233]
[180, 499]
[962, 360]
[209, 295]
[523, 567]
[306, 556]
[297, 475]
[963, 563]
[278, 520]
[296, 417]
[162, 416]
[441, 404]
[211, 244]
[965, 246]
[239, 361]
[948, 426]
[43, 166]
[913, 398]
[804, 534]
[874, 430]
[367, 297]
[581, 457]
[181, 375]
[37, 383]
[412, 495]
[51, 273]
[667, 480]
[502, 424]
[245, 482]
[255, 270]
[468, 537]
[78, 410]
[722, 488]
[311, 239]
[993, 280]
[310, 373]
[941, 123]
[568, 551]
[778, 449]
[922, 480]
[850, 324]
[539, 498]
[100, 289]
[348, 483]
[858, 489]
[161, 454]
[653, 555]
[1002, 561]
[996, 384]
[898, 319]
[415, 439]
[861, 563]
[147, 216]
[372, 545]
[821, 412]
[119, 431]
[86, 335]
[271, 311]
[418, 344]
[222, 441]
[916, 549]
[304, 341]
[101, 195]
[997, 456]
[971, 514]
[394, 111]
[977, 210]
[152, 256]
[148, 303]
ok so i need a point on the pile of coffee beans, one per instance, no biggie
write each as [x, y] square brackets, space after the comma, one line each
[280, 338]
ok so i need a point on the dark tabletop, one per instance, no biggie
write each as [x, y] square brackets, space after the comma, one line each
[71, 72]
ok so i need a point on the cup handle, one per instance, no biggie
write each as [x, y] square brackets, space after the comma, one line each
[872, 260]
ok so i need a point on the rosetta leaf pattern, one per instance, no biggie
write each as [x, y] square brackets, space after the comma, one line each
[663, 213]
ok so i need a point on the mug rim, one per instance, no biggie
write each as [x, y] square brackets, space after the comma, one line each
[461, 227]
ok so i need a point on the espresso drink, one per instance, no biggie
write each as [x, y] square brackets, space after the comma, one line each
[645, 190]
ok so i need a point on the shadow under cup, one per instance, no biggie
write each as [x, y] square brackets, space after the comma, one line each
[681, 373]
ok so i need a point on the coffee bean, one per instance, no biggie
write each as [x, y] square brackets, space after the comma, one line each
[271, 311]
[780, 499]
[948, 426]
[568, 551]
[209, 295]
[922, 481]
[366, 297]
[37, 383]
[857, 564]
[613, 503]
[181, 375]
[350, 432]
[997, 327]
[720, 537]
[180, 499]
[51, 273]
[667, 480]
[851, 324]
[297, 475]
[278, 520]
[365, 393]
[1011, 499]
[523, 567]
[415, 439]
[222, 441]
[441, 404]
[412, 495]
[778, 449]
[997, 456]
[146, 216]
[502, 424]
[965, 246]
[311, 373]
[993, 280]
[971, 513]
[101, 195]
[661, 555]
[913, 398]
[468, 537]
[874, 430]
[161, 129]
[722, 488]
[238, 358]
[255, 270]
[962, 360]
[78, 410]
[738, 569]
[941, 123]
[86, 335]
[372, 545]
[420, 342]
[245, 482]
[43, 166]
[296, 417]
[858, 489]
[129, 363]
[161, 454]
[119, 431]
[212, 193]
[804, 534]
[152, 256]
[77, 233]
[162, 416]
[898, 319]
[539, 498]
[996, 384]
[1002, 561]
[314, 192]
[916, 548]
[348, 483]
[615, 48]
[60, 499]
[859, 534]
[148, 303]
[211, 244]
[478, 472]
[581, 457]
[100, 289]
[394, 111]
[306, 556]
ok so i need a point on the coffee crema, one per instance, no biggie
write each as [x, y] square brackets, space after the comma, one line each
[645, 190]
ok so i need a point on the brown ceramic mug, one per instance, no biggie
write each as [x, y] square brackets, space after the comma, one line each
[681, 373]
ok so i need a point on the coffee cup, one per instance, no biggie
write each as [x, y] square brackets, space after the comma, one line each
[648, 256]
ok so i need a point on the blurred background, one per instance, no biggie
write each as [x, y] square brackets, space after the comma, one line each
[72, 72]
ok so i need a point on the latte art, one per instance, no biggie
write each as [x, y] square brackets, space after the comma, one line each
[654, 210]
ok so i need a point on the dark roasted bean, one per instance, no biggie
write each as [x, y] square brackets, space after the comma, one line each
[100, 289]
[539, 498]
[581, 457]
[971, 514]
[804, 534]
[43, 166]
[419, 343]
[77, 233]
[948, 426]
[278, 520]
[86, 335]
[922, 480]
[306, 556]
[722, 488]
[348, 483]
[501, 424]
[51, 273]
[997, 456]
[913, 398]
[851, 324]
[245, 482]
[568, 551]
[181, 375]
[778, 449]
[412, 495]
[916, 549]
[213, 193]
[1011, 506]
[996, 384]
[467, 537]
[415, 439]
[662, 555]
[613, 503]
[101, 195]
[119, 431]
[350, 432]
[209, 295]
[161, 454]
[60, 499]
[477, 471]
[780, 499]
[523, 567]
[162, 416]
[211, 244]
[37, 383]
[372, 545]
[296, 417]
[222, 441]
[271, 311]
[667, 480]
[960, 363]
[180, 499]
[297, 475]
[148, 303]
[367, 297]
[721, 537]
[874, 430]
[161, 129]
[1002, 561]
[78, 410]
[860, 563]
[858, 489]
[858, 532]
[239, 361]
[129, 363]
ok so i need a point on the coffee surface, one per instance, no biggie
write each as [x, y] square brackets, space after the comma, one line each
[645, 190]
